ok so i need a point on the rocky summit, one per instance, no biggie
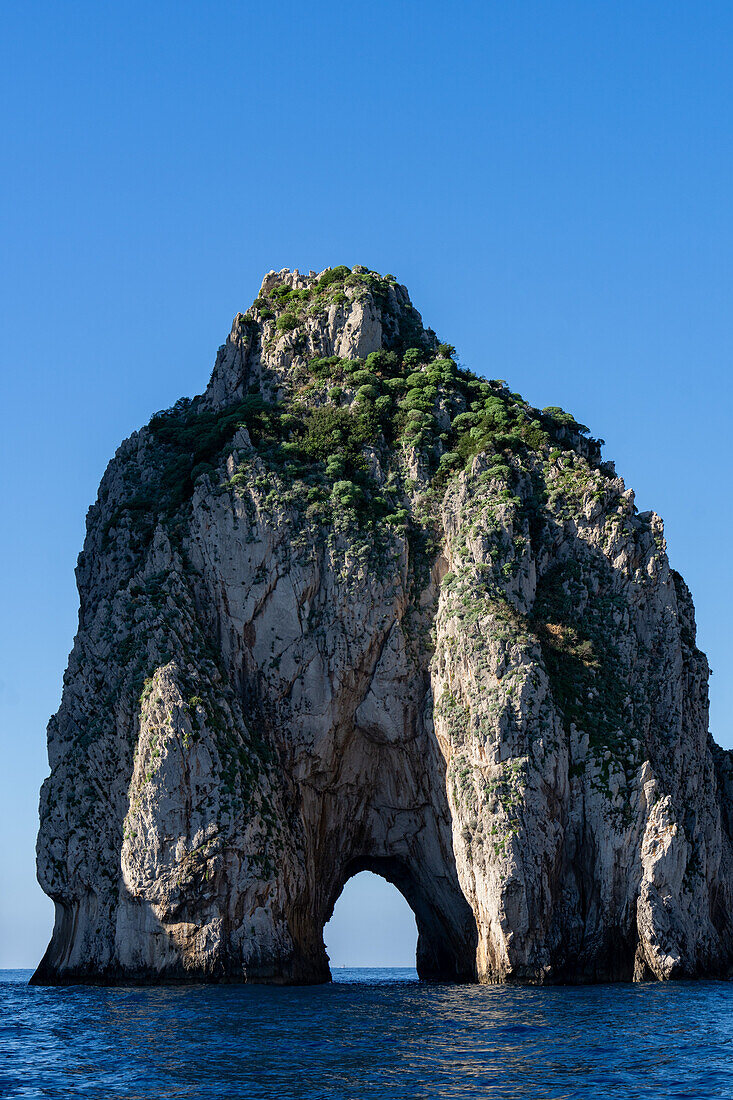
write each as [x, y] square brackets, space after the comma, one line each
[356, 607]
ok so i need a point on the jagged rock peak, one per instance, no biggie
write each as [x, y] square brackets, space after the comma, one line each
[344, 312]
[357, 607]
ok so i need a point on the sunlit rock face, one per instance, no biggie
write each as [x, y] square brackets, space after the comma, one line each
[355, 608]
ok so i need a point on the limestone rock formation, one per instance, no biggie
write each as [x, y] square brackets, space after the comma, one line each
[357, 607]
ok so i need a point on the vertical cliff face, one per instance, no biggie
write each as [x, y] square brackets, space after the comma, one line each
[356, 607]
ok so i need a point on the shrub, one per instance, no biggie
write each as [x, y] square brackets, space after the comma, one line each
[335, 467]
[412, 357]
[330, 431]
[395, 385]
[441, 371]
[335, 394]
[347, 494]
[364, 378]
[565, 419]
[287, 322]
[534, 436]
[383, 404]
[281, 293]
[398, 518]
[385, 361]
[289, 423]
[367, 393]
[416, 399]
[333, 275]
[326, 367]
[201, 469]
[464, 421]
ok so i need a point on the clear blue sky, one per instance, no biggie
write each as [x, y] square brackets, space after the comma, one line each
[552, 181]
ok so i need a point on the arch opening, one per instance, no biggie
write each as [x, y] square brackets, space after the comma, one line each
[445, 948]
[372, 925]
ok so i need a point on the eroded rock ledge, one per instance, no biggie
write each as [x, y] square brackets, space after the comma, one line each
[357, 607]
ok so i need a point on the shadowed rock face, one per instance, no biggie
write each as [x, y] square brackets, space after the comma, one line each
[355, 608]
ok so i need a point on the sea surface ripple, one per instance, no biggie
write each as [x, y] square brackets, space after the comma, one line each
[372, 1033]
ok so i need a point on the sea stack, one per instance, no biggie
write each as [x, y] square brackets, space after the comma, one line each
[357, 607]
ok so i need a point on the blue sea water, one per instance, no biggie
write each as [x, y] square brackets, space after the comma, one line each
[372, 1033]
